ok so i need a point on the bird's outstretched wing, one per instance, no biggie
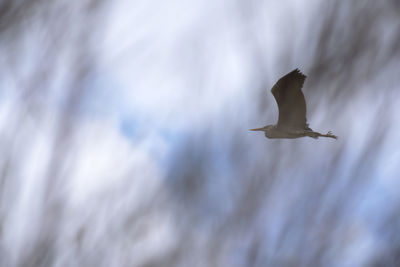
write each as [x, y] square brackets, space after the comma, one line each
[290, 99]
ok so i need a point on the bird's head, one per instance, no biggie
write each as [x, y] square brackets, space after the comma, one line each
[267, 129]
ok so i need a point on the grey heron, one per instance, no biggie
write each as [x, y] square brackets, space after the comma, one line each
[292, 121]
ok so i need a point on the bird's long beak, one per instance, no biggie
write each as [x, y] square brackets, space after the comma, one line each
[257, 129]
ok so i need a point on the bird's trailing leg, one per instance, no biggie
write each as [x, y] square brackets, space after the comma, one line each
[317, 134]
[329, 134]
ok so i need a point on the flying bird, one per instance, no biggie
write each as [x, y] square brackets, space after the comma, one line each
[292, 121]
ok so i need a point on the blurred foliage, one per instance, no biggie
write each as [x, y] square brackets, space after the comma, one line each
[223, 197]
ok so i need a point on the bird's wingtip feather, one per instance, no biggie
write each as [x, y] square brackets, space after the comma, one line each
[298, 71]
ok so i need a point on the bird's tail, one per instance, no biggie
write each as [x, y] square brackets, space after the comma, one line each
[315, 135]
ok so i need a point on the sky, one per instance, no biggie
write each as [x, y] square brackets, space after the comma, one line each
[124, 131]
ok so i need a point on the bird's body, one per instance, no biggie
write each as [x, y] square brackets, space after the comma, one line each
[292, 122]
